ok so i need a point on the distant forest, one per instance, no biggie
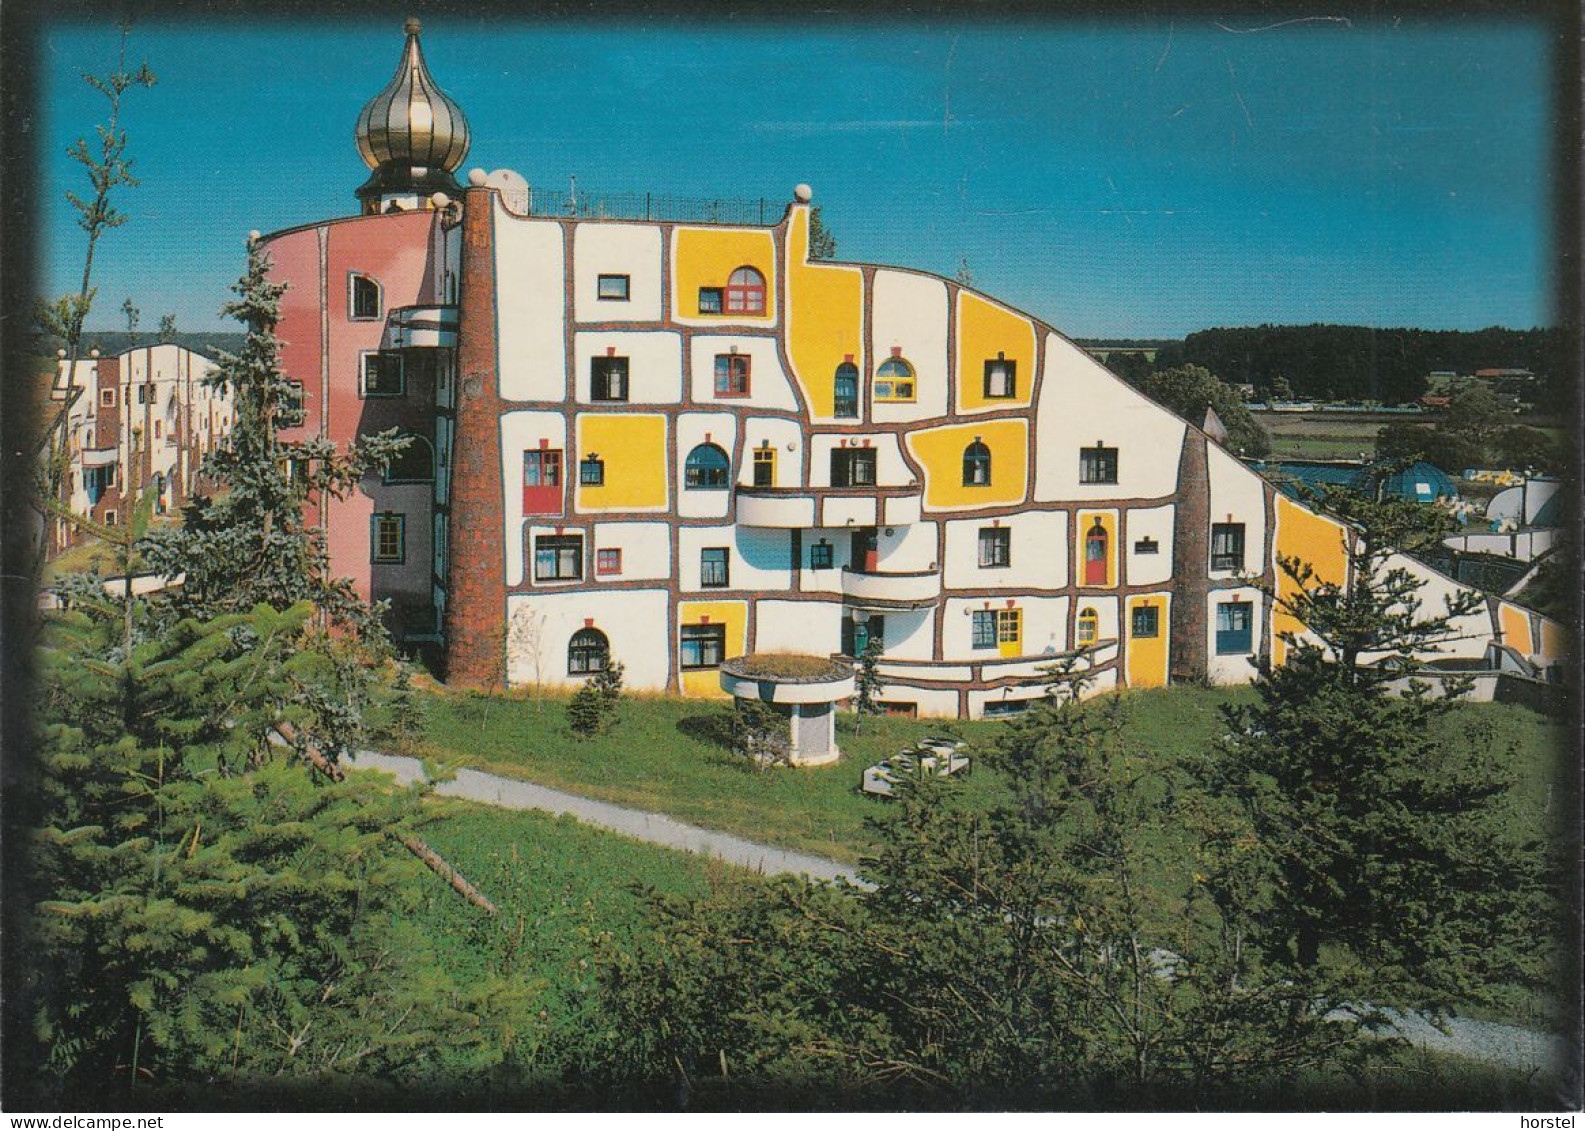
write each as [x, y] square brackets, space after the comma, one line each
[206, 342]
[1353, 363]
[1317, 362]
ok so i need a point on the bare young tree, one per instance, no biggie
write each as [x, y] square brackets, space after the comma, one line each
[108, 168]
[525, 636]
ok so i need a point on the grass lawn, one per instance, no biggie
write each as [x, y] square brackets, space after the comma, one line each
[664, 754]
[560, 886]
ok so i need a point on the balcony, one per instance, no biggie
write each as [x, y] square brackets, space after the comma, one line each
[804, 508]
[897, 589]
[420, 327]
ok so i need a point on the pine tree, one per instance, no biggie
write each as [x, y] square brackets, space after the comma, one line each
[252, 543]
[867, 683]
[607, 683]
[584, 710]
[205, 911]
[1390, 868]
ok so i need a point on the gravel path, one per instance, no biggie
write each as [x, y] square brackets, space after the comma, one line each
[510, 793]
[1488, 1041]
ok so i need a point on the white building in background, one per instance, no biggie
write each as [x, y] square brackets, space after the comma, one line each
[143, 419]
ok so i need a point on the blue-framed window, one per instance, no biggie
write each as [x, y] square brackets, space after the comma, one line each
[1235, 628]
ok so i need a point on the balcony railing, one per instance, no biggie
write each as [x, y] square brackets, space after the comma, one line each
[650, 206]
[419, 327]
[891, 589]
[804, 508]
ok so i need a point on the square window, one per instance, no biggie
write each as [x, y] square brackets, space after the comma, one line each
[388, 538]
[709, 300]
[820, 555]
[996, 547]
[1235, 622]
[731, 375]
[608, 378]
[1227, 545]
[558, 557]
[614, 288]
[382, 375]
[852, 467]
[1146, 622]
[608, 561]
[591, 471]
[984, 628]
[1001, 378]
[713, 568]
[702, 645]
[107, 398]
[1098, 464]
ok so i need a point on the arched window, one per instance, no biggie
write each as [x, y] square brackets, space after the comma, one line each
[587, 652]
[706, 469]
[363, 297]
[846, 391]
[1095, 555]
[416, 464]
[745, 292]
[976, 465]
[894, 380]
[1089, 626]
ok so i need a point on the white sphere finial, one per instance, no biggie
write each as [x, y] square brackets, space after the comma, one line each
[254, 236]
[477, 177]
[61, 353]
[803, 193]
[94, 352]
[439, 200]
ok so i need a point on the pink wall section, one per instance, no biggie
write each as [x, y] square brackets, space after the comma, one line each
[395, 250]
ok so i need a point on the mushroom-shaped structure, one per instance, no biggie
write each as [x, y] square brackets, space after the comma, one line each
[804, 689]
[412, 135]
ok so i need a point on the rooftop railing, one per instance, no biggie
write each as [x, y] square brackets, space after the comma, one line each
[649, 206]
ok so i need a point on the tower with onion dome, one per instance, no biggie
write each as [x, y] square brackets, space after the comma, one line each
[412, 135]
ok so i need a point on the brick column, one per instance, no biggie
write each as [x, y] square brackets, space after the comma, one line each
[1191, 549]
[475, 624]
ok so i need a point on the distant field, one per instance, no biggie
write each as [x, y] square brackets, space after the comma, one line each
[1305, 436]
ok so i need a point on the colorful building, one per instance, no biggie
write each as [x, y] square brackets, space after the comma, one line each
[671, 442]
[143, 419]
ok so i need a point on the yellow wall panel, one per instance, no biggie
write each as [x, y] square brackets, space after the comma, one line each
[1515, 625]
[706, 682]
[825, 318]
[985, 330]
[940, 452]
[706, 257]
[634, 451]
[1316, 540]
[1554, 642]
[1084, 523]
[1147, 656]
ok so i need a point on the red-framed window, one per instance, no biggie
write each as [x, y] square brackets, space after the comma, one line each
[745, 292]
[542, 481]
[608, 562]
[731, 375]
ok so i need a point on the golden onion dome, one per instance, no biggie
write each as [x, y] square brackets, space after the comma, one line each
[412, 126]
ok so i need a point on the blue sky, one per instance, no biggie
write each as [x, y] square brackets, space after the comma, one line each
[1134, 179]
